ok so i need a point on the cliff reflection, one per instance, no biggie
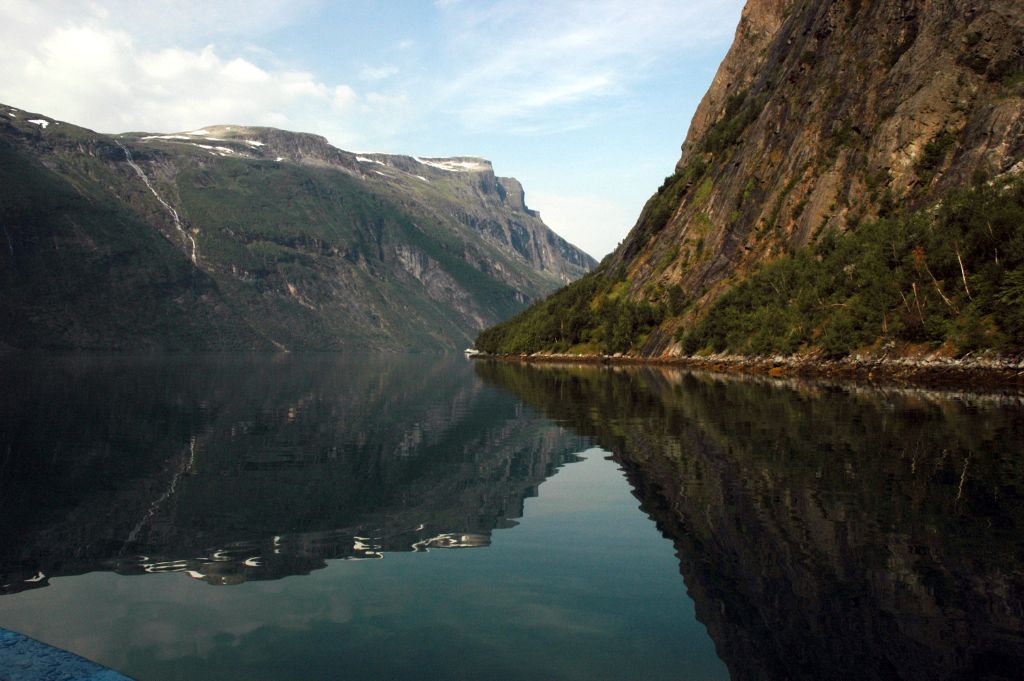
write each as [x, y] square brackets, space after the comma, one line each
[238, 468]
[823, 532]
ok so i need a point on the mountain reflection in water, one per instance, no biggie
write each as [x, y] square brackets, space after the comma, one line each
[823, 532]
[232, 468]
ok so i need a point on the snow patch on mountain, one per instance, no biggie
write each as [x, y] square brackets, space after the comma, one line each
[455, 165]
[216, 151]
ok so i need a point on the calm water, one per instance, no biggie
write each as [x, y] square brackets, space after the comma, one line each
[322, 517]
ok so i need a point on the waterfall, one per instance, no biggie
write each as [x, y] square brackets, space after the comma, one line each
[174, 213]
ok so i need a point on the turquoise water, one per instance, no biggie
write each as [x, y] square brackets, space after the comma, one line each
[322, 517]
[585, 587]
[333, 478]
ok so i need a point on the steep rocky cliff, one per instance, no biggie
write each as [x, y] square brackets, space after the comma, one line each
[825, 117]
[233, 237]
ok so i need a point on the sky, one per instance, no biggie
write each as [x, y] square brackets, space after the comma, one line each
[586, 102]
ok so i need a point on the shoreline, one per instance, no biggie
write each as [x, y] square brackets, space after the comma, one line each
[975, 373]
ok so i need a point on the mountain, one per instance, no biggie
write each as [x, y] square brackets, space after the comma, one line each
[849, 183]
[233, 237]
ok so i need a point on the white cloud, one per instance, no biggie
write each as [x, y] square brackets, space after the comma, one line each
[531, 61]
[157, 23]
[344, 98]
[102, 77]
[523, 68]
[242, 71]
[471, 78]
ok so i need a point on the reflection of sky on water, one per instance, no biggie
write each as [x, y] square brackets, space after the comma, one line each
[583, 587]
[822, 531]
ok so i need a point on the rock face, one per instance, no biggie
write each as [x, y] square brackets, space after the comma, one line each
[820, 109]
[824, 116]
[233, 237]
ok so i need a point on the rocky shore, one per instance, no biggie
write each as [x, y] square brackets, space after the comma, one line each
[985, 372]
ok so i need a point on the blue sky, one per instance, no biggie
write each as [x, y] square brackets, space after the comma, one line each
[586, 102]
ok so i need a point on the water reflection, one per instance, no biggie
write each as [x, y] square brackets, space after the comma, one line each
[232, 469]
[823, 532]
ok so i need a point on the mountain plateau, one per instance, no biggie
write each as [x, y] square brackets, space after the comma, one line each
[235, 237]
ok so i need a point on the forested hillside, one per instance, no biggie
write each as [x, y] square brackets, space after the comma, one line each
[850, 182]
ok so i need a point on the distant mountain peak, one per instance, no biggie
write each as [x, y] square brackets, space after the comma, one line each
[234, 236]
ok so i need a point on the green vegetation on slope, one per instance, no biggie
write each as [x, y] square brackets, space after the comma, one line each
[290, 219]
[80, 269]
[952, 274]
[740, 112]
[589, 315]
[288, 255]
[279, 241]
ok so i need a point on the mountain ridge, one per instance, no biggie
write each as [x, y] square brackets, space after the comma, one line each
[287, 242]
